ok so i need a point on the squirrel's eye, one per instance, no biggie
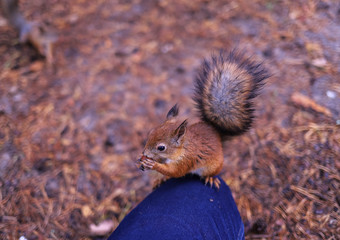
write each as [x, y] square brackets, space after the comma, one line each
[161, 147]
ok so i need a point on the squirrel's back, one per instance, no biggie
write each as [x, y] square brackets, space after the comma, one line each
[224, 90]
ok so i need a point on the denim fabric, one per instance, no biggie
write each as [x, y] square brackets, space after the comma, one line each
[183, 208]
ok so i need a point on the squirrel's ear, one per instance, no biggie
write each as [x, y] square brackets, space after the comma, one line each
[173, 112]
[180, 131]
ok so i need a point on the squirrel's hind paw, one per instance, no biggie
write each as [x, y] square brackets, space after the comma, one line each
[213, 181]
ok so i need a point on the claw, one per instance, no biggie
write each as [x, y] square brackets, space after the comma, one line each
[206, 180]
[217, 183]
[213, 181]
[141, 167]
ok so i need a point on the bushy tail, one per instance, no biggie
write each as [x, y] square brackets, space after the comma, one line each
[224, 91]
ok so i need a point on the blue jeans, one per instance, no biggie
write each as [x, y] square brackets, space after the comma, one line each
[183, 208]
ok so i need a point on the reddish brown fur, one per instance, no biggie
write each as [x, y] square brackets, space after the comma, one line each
[236, 112]
[225, 88]
[224, 92]
[207, 160]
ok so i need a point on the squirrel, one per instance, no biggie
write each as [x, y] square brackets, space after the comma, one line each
[224, 91]
[32, 32]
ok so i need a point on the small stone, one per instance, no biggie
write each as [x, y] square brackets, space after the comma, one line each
[331, 94]
[319, 62]
[102, 228]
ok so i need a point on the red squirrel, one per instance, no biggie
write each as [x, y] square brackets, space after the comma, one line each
[224, 91]
[37, 34]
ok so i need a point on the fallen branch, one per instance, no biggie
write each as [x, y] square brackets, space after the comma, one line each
[306, 102]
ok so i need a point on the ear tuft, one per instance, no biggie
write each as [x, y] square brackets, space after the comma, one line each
[180, 131]
[173, 112]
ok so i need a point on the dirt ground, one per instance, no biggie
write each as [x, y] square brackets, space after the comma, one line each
[71, 132]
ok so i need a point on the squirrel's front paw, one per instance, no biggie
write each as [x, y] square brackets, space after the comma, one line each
[147, 163]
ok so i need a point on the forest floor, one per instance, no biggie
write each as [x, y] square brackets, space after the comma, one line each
[71, 132]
